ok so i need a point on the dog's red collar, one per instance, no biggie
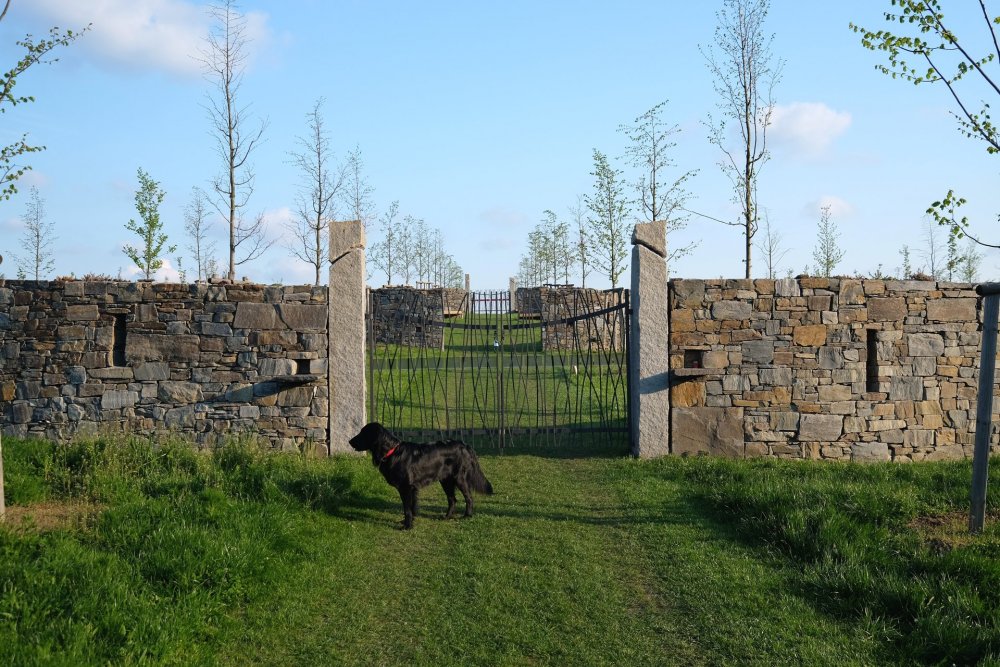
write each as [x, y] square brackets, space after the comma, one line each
[388, 454]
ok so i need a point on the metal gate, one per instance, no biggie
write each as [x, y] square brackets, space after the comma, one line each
[543, 366]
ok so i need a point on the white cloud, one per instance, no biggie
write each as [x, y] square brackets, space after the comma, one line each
[165, 274]
[808, 129]
[839, 208]
[276, 223]
[159, 34]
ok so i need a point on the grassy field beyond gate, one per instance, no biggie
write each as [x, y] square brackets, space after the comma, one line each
[119, 552]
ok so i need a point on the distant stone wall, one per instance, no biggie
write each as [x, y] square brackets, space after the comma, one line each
[824, 368]
[206, 361]
[552, 304]
[407, 316]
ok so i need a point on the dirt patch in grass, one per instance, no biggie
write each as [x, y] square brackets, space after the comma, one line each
[51, 515]
[945, 532]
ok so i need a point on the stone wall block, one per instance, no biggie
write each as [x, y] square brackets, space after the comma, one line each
[303, 317]
[257, 316]
[717, 431]
[731, 310]
[179, 393]
[820, 428]
[925, 345]
[869, 452]
[115, 400]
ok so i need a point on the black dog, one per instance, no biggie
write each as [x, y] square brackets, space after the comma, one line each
[408, 466]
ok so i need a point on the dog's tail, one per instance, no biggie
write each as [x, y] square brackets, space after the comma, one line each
[477, 480]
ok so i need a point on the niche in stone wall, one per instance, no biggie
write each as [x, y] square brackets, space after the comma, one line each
[118, 342]
[694, 358]
[871, 363]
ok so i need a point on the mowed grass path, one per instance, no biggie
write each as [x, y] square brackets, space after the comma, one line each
[131, 552]
[574, 561]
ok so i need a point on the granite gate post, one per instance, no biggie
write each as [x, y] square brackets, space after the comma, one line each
[649, 358]
[347, 333]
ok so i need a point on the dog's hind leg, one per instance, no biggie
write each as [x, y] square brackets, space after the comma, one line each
[448, 484]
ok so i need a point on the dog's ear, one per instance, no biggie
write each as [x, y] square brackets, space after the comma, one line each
[380, 433]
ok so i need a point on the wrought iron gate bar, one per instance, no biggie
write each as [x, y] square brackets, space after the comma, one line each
[489, 377]
[527, 325]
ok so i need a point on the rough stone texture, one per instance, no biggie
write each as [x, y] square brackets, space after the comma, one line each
[195, 358]
[962, 309]
[716, 431]
[650, 344]
[799, 372]
[347, 333]
[820, 428]
[652, 235]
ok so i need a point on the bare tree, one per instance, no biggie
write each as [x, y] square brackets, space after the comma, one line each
[745, 74]
[196, 226]
[772, 248]
[407, 248]
[932, 251]
[236, 133]
[649, 151]
[357, 193]
[37, 239]
[322, 181]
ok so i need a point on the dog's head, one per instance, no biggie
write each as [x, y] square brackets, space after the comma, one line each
[368, 437]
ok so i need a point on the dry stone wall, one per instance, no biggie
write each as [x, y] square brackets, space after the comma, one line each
[824, 368]
[552, 304]
[206, 361]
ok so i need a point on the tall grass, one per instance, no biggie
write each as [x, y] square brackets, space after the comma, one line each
[181, 537]
[884, 545]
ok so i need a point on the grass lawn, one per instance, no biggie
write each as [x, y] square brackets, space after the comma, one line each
[467, 385]
[119, 552]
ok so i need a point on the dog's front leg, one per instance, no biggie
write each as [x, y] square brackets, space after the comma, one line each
[404, 495]
[409, 498]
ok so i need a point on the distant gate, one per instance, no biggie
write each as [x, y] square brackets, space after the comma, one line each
[480, 366]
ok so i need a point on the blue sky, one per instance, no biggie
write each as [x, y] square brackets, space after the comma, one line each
[477, 117]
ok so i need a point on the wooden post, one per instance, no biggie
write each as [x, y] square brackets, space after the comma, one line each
[984, 405]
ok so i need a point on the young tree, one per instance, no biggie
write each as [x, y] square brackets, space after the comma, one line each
[969, 263]
[926, 50]
[37, 239]
[578, 214]
[932, 251]
[649, 151]
[385, 253]
[12, 155]
[906, 270]
[827, 253]
[609, 210]
[745, 75]
[321, 183]
[772, 248]
[196, 226]
[235, 132]
[408, 248]
[357, 193]
[148, 198]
